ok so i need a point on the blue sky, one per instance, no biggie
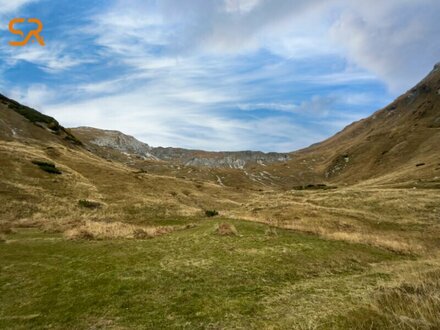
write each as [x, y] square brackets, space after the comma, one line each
[270, 75]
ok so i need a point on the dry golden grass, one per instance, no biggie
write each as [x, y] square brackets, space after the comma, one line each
[414, 304]
[410, 300]
[117, 230]
[395, 244]
[401, 220]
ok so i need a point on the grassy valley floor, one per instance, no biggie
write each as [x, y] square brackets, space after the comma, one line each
[194, 279]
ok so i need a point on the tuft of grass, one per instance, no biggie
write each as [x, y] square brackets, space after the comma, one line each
[89, 204]
[226, 229]
[271, 231]
[47, 167]
[211, 213]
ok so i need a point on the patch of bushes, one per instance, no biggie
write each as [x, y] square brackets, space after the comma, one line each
[211, 213]
[72, 138]
[89, 204]
[319, 186]
[47, 167]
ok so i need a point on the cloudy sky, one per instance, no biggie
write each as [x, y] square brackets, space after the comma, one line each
[271, 75]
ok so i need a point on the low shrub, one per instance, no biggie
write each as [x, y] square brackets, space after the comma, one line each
[47, 167]
[211, 213]
[319, 186]
[89, 204]
[5, 228]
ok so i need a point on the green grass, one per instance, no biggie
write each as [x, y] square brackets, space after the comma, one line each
[190, 279]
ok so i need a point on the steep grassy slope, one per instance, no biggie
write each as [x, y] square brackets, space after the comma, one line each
[400, 142]
[126, 194]
[21, 122]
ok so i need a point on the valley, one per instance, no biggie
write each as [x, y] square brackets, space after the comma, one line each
[100, 230]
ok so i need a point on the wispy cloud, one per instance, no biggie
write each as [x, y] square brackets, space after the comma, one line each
[52, 58]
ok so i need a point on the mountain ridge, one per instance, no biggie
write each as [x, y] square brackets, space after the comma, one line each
[95, 138]
[398, 142]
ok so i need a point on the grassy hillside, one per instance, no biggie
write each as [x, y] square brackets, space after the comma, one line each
[367, 256]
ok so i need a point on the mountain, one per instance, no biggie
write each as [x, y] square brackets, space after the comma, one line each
[400, 142]
[119, 146]
[397, 144]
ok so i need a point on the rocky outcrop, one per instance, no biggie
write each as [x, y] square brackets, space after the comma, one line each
[114, 140]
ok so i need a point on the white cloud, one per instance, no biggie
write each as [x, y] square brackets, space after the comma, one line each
[8, 6]
[52, 58]
[384, 37]
[317, 106]
[35, 96]
[398, 40]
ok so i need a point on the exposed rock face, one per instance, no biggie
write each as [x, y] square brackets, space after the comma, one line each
[123, 143]
[114, 140]
[237, 159]
[130, 147]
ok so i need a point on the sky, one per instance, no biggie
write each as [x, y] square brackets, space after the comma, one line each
[269, 75]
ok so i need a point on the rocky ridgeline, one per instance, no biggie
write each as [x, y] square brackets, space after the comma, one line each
[237, 159]
[128, 145]
[124, 143]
